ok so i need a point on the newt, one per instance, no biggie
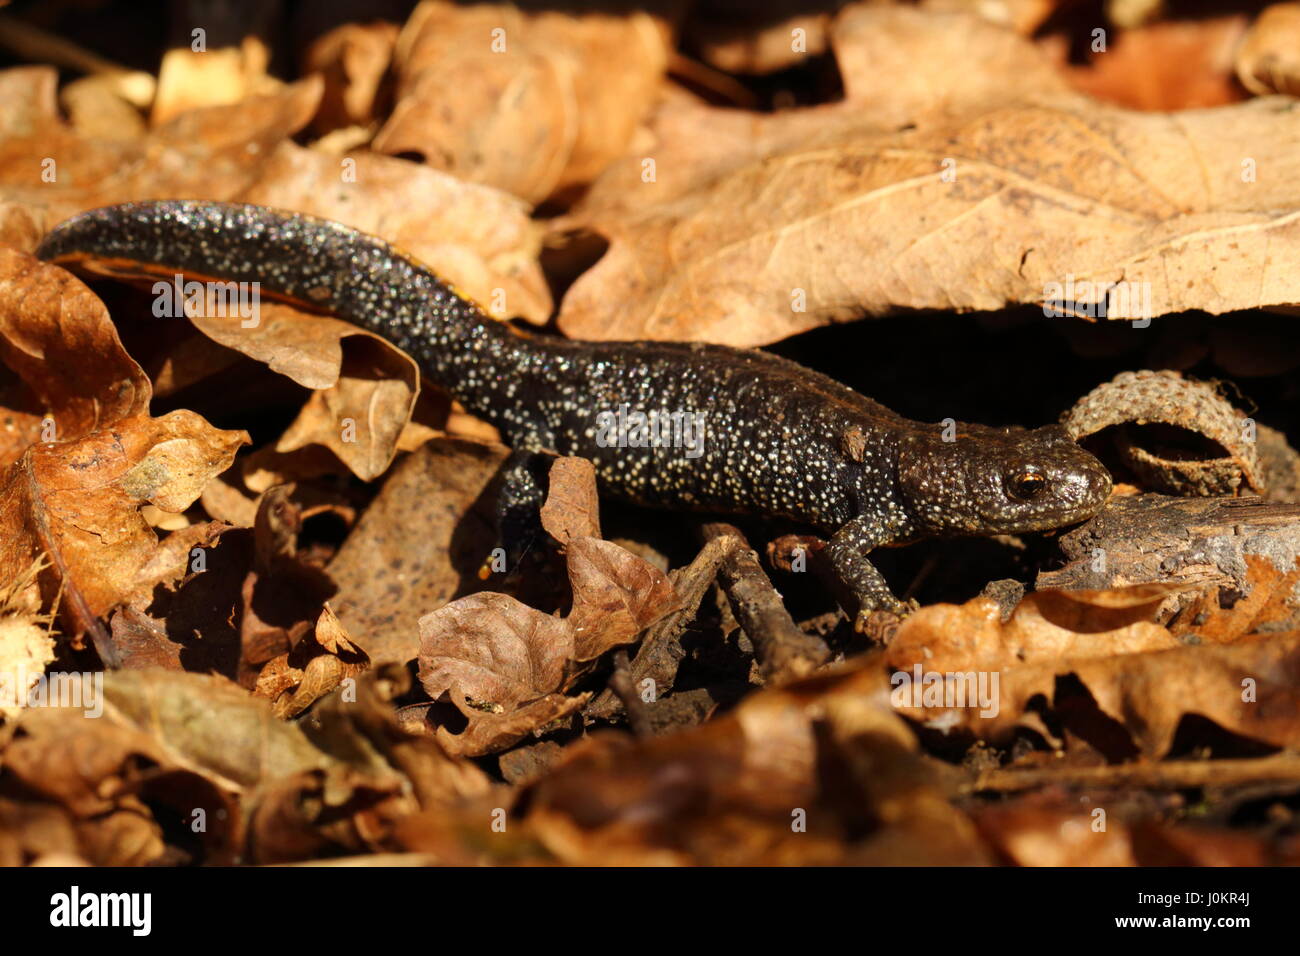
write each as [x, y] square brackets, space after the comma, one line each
[747, 432]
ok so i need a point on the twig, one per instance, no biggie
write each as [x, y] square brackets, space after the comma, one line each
[638, 717]
[715, 81]
[784, 652]
[1167, 775]
[32, 43]
[661, 651]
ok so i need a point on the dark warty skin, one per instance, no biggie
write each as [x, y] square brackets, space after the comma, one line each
[777, 439]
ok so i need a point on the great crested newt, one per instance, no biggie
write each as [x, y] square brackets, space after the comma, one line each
[735, 431]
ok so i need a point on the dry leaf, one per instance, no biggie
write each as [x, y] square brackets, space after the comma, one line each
[969, 210]
[1033, 836]
[572, 507]
[616, 595]
[1267, 59]
[420, 542]
[496, 651]
[1175, 65]
[79, 501]
[361, 416]
[212, 152]
[317, 664]
[778, 781]
[49, 323]
[353, 58]
[961, 667]
[504, 664]
[190, 79]
[518, 99]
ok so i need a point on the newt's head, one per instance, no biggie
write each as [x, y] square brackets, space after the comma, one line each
[999, 481]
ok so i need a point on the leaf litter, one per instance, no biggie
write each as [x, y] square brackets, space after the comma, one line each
[309, 643]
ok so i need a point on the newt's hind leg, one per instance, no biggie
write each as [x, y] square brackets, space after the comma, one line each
[519, 508]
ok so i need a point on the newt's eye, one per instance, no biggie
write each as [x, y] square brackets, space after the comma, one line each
[1026, 485]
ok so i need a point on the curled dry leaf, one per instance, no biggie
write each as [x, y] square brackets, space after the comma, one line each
[353, 58]
[209, 725]
[505, 664]
[364, 387]
[965, 210]
[1189, 457]
[362, 415]
[49, 323]
[302, 346]
[616, 595]
[77, 494]
[188, 742]
[1268, 60]
[1247, 688]
[317, 664]
[348, 725]
[522, 100]
[502, 662]
[497, 652]
[98, 770]
[79, 502]
[322, 813]
[1017, 660]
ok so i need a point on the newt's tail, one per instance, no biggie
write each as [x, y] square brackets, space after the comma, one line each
[322, 264]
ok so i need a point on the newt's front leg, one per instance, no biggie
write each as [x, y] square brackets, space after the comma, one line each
[859, 578]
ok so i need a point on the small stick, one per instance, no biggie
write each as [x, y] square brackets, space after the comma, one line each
[32, 43]
[784, 652]
[659, 652]
[620, 682]
[1167, 775]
